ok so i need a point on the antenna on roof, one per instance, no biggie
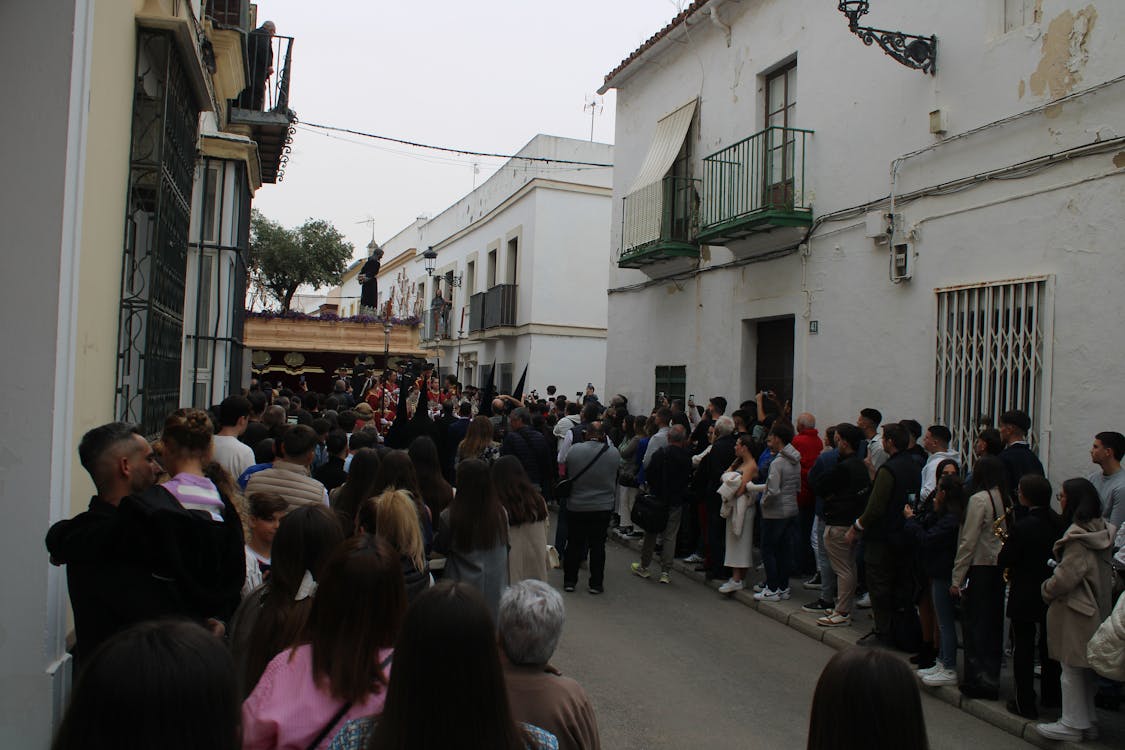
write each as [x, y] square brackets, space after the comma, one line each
[595, 107]
[370, 220]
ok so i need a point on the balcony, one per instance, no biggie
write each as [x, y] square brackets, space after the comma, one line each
[493, 309]
[658, 226]
[262, 109]
[436, 324]
[755, 185]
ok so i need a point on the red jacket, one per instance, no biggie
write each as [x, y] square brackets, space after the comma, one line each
[809, 445]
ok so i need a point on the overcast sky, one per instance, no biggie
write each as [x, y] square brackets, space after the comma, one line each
[484, 75]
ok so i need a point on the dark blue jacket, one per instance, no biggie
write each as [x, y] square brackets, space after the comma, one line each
[936, 535]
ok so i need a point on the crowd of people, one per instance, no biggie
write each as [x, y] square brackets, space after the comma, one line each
[320, 557]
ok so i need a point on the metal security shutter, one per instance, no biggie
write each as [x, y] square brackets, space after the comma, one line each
[993, 354]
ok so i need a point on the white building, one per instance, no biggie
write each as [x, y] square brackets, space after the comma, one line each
[761, 149]
[525, 252]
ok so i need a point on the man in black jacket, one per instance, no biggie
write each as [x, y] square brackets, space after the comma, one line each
[529, 446]
[669, 480]
[1017, 456]
[105, 594]
[1029, 546]
[844, 489]
[711, 470]
[881, 525]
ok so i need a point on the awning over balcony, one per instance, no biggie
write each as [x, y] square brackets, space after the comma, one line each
[666, 144]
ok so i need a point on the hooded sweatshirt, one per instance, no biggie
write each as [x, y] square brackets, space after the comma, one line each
[783, 485]
[929, 471]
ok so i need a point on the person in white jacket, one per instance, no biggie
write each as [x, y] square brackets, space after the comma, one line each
[936, 442]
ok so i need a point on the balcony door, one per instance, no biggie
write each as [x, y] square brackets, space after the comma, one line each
[779, 143]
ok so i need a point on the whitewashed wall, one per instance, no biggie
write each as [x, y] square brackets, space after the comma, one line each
[876, 341]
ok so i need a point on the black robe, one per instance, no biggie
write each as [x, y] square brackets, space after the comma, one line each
[369, 294]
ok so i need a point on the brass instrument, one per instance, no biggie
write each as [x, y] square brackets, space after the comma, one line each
[1000, 530]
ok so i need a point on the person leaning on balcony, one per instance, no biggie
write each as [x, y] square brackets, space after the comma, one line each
[261, 63]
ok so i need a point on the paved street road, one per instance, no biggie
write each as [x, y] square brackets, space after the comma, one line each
[676, 666]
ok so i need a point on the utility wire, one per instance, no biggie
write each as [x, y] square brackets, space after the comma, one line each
[450, 150]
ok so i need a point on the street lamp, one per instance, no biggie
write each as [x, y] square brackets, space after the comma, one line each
[430, 257]
[911, 50]
[386, 342]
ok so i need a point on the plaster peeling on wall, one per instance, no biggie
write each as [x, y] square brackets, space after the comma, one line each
[1119, 160]
[1064, 53]
[1022, 88]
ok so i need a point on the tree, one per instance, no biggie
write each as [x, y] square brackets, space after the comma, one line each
[282, 260]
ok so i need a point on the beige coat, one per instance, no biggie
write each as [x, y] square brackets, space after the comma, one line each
[1078, 592]
[527, 551]
[977, 544]
[291, 481]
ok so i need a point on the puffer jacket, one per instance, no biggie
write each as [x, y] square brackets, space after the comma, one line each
[783, 485]
[1078, 591]
[1106, 650]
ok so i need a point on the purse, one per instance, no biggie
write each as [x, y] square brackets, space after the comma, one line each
[565, 486]
[649, 514]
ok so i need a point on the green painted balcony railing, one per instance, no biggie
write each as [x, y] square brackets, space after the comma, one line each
[659, 222]
[755, 185]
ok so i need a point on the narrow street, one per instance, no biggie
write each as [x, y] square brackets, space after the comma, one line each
[676, 666]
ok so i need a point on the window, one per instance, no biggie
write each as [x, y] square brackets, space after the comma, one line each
[209, 230]
[781, 114]
[491, 278]
[470, 277]
[1019, 13]
[513, 260]
[505, 384]
[671, 380]
[990, 356]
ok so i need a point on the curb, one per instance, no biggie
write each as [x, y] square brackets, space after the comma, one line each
[791, 615]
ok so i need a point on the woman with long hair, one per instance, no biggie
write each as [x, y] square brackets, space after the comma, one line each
[927, 616]
[740, 517]
[976, 562]
[436, 492]
[358, 487]
[341, 669]
[473, 534]
[866, 699]
[273, 617]
[166, 685]
[479, 442]
[936, 534]
[527, 520]
[397, 473]
[448, 631]
[397, 521]
[1079, 598]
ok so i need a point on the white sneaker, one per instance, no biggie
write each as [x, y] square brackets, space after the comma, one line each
[928, 670]
[1058, 731]
[759, 587]
[694, 558]
[864, 602]
[767, 595]
[731, 586]
[940, 676]
[783, 593]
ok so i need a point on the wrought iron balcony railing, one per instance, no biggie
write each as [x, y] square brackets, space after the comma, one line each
[229, 13]
[659, 221]
[494, 308]
[757, 183]
[268, 61]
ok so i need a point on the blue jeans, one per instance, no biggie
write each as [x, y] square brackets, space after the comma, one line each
[777, 550]
[827, 575]
[947, 623]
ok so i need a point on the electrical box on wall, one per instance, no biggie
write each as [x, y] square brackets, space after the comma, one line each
[902, 261]
[876, 224]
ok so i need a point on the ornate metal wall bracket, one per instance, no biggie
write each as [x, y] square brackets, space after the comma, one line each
[911, 50]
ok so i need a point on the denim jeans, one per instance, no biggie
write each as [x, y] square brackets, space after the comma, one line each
[777, 550]
[947, 622]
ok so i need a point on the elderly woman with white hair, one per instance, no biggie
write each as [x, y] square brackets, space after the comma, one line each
[530, 624]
